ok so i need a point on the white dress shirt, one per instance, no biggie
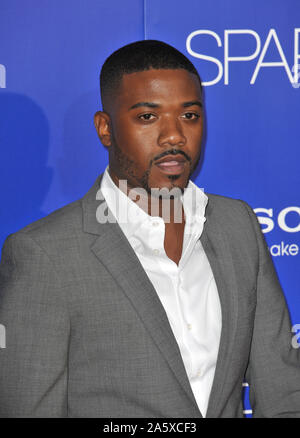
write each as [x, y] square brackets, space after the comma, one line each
[187, 291]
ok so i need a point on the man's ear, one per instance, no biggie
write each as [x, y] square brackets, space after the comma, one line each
[103, 127]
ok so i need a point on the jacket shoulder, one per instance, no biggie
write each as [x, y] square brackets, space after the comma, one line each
[65, 222]
[61, 223]
[227, 204]
[234, 215]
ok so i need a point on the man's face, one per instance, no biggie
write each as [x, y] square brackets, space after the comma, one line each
[156, 115]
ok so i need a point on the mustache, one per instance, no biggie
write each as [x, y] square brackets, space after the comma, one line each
[172, 152]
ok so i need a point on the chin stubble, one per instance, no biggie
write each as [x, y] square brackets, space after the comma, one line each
[128, 167]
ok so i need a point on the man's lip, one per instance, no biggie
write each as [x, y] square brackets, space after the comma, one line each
[177, 158]
[171, 167]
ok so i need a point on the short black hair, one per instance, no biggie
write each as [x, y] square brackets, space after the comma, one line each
[141, 56]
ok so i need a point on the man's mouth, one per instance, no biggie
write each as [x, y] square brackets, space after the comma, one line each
[172, 165]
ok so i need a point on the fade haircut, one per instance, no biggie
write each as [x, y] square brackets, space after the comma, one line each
[140, 56]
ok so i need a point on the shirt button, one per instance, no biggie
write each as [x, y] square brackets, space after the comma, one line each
[156, 251]
[189, 326]
[199, 373]
[155, 224]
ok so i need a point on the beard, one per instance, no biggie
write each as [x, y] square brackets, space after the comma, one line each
[127, 169]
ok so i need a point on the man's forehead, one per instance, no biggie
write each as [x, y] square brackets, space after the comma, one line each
[160, 83]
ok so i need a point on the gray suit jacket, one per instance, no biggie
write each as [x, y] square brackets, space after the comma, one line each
[87, 336]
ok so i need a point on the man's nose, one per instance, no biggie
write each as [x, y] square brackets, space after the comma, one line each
[171, 133]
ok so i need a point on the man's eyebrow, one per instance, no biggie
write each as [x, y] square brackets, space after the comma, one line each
[147, 104]
[156, 105]
[191, 103]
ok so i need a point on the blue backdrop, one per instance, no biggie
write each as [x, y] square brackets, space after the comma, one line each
[247, 54]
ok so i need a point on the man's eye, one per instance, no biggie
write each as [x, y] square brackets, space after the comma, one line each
[146, 117]
[191, 116]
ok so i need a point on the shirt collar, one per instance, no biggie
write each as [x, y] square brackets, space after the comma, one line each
[131, 217]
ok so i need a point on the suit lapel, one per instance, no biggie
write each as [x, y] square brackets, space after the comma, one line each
[126, 269]
[217, 249]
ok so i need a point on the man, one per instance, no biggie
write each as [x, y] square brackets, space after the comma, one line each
[158, 312]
